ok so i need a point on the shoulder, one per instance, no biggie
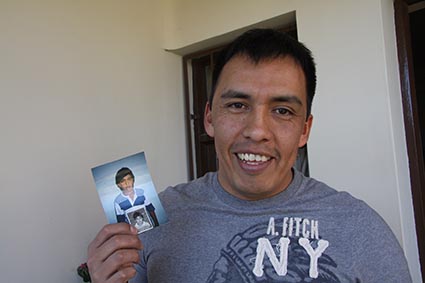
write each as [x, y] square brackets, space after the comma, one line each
[119, 198]
[311, 189]
[320, 197]
[341, 203]
[194, 191]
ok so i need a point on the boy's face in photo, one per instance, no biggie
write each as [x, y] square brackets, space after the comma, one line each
[139, 220]
[126, 185]
[258, 121]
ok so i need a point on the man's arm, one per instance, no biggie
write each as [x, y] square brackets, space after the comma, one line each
[113, 252]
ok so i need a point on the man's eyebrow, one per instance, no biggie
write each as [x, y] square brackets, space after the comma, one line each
[234, 94]
[288, 98]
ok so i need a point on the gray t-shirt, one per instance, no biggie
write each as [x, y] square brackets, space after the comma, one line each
[307, 233]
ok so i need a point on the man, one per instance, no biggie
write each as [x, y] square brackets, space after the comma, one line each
[129, 196]
[257, 219]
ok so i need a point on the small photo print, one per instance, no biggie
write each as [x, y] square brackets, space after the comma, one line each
[126, 192]
[139, 218]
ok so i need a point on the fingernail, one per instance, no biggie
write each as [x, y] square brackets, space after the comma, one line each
[133, 229]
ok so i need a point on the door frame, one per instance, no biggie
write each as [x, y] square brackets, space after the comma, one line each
[411, 122]
[187, 106]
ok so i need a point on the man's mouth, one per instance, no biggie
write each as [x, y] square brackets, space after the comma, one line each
[250, 157]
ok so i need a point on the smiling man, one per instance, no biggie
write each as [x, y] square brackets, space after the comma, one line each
[257, 219]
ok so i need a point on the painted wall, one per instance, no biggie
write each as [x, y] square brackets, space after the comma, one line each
[357, 143]
[81, 83]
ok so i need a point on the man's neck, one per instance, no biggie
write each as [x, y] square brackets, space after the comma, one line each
[129, 194]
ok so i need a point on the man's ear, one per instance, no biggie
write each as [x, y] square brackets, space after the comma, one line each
[208, 123]
[306, 131]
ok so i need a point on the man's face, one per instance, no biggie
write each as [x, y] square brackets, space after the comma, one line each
[126, 184]
[258, 121]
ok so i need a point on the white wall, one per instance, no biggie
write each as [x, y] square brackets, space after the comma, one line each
[81, 83]
[357, 143]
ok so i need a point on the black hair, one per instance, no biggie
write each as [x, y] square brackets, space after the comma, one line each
[122, 173]
[262, 44]
[137, 214]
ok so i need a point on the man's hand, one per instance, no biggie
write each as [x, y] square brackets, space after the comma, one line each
[113, 252]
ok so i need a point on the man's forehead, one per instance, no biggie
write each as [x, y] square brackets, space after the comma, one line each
[287, 98]
[239, 64]
[257, 61]
[277, 80]
[279, 71]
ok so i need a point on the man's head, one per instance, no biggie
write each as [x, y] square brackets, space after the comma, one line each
[260, 114]
[267, 44]
[124, 179]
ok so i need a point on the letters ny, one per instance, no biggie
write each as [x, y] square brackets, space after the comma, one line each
[280, 266]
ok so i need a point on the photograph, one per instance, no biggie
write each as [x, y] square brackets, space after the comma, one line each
[139, 218]
[125, 186]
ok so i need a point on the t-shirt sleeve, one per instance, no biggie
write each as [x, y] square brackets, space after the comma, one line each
[141, 270]
[118, 210]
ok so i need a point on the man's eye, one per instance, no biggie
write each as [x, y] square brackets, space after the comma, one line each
[236, 105]
[282, 111]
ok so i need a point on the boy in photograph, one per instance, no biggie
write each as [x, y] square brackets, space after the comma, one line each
[130, 196]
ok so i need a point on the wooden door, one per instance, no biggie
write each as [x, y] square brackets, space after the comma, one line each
[205, 156]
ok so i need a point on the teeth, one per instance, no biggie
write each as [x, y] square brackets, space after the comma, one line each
[252, 157]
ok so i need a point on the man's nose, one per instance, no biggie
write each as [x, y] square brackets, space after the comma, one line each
[257, 125]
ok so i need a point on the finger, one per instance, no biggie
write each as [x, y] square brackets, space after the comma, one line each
[119, 242]
[123, 275]
[121, 259]
[110, 243]
[110, 230]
